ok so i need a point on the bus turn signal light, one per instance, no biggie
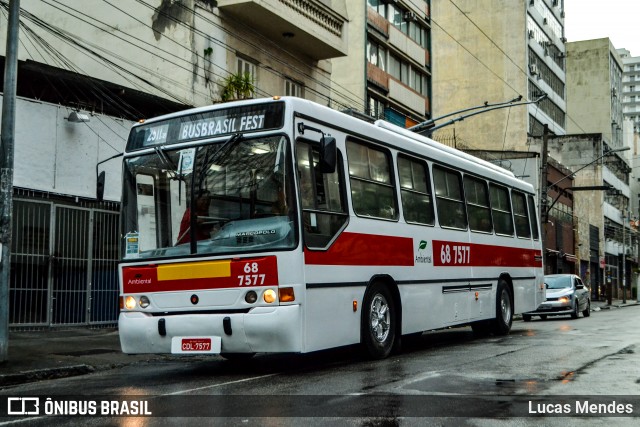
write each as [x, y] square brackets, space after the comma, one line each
[286, 295]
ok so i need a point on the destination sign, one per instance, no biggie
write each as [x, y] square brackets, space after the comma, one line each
[208, 124]
[221, 125]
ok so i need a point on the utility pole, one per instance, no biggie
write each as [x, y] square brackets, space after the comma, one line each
[543, 186]
[624, 254]
[6, 170]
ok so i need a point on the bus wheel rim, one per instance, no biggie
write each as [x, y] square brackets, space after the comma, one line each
[380, 318]
[505, 304]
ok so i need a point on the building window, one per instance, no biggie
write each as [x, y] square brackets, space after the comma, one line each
[377, 55]
[375, 107]
[292, 88]
[378, 6]
[245, 67]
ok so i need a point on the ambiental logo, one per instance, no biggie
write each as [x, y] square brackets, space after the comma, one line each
[423, 258]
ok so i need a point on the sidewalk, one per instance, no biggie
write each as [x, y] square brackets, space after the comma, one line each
[616, 303]
[52, 353]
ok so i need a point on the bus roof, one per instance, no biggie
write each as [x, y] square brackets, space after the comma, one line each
[335, 117]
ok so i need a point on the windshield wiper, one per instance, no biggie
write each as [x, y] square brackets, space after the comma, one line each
[211, 159]
[167, 162]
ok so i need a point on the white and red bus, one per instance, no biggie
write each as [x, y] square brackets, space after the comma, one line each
[312, 229]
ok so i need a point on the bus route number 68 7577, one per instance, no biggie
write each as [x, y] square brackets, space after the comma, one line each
[252, 276]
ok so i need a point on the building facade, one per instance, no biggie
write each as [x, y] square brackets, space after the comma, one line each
[494, 51]
[86, 71]
[595, 94]
[388, 68]
[631, 124]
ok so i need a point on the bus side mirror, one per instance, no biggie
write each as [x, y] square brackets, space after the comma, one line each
[328, 154]
[100, 186]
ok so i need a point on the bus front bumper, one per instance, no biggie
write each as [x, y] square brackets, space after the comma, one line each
[263, 329]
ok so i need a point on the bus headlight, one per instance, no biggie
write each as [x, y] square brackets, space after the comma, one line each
[144, 302]
[269, 296]
[251, 297]
[129, 303]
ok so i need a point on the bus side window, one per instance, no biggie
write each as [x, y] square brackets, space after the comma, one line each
[501, 210]
[534, 218]
[415, 191]
[449, 198]
[520, 214]
[322, 197]
[478, 209]
[372, 190]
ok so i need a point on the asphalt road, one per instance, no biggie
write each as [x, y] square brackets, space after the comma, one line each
[446, 377]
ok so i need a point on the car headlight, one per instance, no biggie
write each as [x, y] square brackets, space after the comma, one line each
[564, 300]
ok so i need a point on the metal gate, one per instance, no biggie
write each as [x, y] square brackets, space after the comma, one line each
[63, 265]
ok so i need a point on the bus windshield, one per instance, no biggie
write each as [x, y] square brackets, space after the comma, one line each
[233, 195]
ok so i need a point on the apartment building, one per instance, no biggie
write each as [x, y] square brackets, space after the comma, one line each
[595, 99]
[388, 67]
[492, 51]
[86, 71]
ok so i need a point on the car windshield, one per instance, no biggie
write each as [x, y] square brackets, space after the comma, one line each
[234, 195]
[557, 282]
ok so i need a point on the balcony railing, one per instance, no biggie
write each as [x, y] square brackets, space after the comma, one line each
[307, 26]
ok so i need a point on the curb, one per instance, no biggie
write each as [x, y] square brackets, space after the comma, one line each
[45, 374]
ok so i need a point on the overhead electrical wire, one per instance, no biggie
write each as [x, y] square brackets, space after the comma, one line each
[30, 35]
[252, 44]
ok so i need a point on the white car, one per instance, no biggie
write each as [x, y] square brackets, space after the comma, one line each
[566, 294]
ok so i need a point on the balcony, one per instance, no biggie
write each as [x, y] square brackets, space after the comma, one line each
[306, 26]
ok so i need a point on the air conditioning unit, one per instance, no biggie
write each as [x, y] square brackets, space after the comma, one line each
[614, 92]
[530, 34]
[410, 16]
[544, 21]
[554, 2]
[533, 69]
[561, 54]
[531, 2]
[563, 39]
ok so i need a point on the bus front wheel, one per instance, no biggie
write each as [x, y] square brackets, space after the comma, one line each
[378, 326]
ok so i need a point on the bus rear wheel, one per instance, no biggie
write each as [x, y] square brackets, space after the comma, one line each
[504, 309]
[378, 326]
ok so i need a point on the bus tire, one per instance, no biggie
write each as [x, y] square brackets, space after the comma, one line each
[378, 325]
[504, 309]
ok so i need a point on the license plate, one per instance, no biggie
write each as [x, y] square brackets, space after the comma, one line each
[196, 345]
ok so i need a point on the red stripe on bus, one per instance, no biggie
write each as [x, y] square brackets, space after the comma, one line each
[364, 249]
[245, 273]
[456, 254]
